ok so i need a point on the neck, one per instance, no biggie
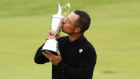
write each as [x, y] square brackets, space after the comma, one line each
[74, 37]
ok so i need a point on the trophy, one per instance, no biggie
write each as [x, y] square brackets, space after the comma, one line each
[51, 45]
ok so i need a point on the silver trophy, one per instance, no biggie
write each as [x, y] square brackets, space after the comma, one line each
[52, 44]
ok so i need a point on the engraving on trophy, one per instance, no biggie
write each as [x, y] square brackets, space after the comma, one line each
[52, 44]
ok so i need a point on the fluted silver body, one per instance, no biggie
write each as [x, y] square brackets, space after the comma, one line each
[56, 21]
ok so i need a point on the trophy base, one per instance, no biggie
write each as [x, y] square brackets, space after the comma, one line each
[51, 46]
[55, 53]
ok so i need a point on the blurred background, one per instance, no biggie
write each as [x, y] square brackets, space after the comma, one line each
[114, 32]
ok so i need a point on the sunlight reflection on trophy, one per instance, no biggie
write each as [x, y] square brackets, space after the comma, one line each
[52, 44]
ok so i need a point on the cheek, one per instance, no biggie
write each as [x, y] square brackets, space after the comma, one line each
[67, 26]
[70, 29]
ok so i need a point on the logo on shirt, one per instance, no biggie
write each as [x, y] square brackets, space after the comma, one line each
[80, 50]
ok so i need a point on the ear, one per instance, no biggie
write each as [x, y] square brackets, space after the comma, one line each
[77, 30]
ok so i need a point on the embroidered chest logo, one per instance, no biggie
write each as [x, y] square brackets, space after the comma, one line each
[80, 50]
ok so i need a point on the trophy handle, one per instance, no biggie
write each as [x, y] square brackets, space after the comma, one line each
[65, 7]
[61, 8]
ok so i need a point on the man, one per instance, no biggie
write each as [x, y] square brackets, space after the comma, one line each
[76, 57]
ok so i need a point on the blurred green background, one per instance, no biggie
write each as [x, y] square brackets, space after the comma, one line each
[114, 32]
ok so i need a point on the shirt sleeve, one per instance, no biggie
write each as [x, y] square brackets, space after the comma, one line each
[84, 70]
[39, 57]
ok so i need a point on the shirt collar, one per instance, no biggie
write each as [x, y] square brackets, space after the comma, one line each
[78, 41]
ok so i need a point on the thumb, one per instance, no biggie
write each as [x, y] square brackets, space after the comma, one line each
[58, 35]
[58, 53]
[50, 32]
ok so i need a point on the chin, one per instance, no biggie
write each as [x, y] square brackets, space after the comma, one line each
[63, 31]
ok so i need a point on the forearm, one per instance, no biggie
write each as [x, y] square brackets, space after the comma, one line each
[39, 57]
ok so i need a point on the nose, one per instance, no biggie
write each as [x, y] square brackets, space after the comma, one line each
[64, 21]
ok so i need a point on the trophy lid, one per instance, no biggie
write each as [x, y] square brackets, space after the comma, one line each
[59, 10]
[59, 13]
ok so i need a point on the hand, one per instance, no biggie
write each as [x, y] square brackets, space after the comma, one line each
[51, 36]
[53, 58]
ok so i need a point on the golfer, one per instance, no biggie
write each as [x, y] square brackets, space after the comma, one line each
[76, 57]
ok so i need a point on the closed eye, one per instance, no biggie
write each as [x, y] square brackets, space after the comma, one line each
[69, 21]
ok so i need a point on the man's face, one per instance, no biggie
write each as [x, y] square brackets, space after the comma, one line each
[68, 25]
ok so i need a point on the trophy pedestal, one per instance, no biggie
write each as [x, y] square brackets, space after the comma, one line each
[50, 45]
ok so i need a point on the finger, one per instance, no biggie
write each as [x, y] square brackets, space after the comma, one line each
[50, 53]
[46, 55]
[50, 32]
[50, 37]
[47, 37]
[53, 37]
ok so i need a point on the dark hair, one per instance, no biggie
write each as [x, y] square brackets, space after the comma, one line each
[83, 21]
